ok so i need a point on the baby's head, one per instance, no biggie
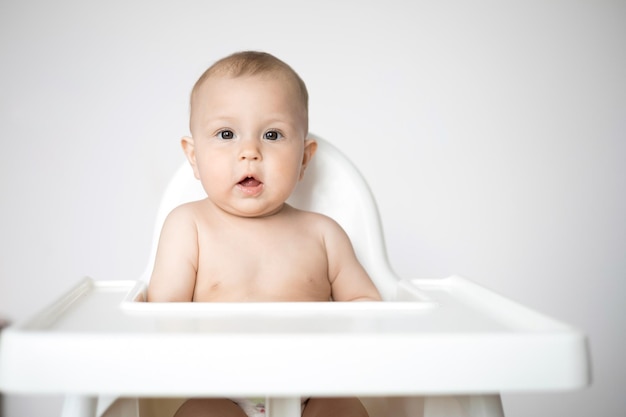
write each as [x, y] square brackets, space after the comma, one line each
[249, 142]
[250, 64]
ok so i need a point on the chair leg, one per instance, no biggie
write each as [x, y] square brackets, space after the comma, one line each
[283, 407]
[79, 406]
[486, 405]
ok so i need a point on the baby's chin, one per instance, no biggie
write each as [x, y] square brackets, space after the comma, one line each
[254, 212]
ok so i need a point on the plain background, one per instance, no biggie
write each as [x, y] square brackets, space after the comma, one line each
[493, 135]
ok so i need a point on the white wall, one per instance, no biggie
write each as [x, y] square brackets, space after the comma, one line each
[493, 135]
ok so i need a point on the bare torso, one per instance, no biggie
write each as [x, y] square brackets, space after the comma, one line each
[292, 255]
[279, 258]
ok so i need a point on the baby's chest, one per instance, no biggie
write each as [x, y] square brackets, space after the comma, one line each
[248, 272]
[276, 258]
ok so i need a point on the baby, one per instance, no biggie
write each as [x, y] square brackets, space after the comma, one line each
[249, 147]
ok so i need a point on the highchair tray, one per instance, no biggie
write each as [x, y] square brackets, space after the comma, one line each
[442, 336]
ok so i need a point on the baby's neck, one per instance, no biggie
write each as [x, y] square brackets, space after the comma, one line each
[228, 215]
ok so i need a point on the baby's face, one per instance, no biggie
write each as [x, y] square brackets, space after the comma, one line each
[250, 143]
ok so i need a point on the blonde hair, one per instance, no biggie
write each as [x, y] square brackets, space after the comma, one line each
[253, 63]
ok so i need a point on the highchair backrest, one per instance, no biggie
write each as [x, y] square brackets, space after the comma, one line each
[333, 186]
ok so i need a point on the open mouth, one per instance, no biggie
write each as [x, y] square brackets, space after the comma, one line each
[249, 182]
[250, 186]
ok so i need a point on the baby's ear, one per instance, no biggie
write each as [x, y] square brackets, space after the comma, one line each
[190, 152]
[310, 146]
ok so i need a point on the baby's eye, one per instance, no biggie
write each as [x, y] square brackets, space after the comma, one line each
[226, 134]
[272, 135]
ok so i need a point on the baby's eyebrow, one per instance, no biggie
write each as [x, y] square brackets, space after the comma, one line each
[277, 120]
[212, 121]
[221, 117]
[286, 118]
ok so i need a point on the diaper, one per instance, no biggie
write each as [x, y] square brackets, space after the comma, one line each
[255, 407]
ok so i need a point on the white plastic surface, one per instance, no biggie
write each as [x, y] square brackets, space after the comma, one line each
[464, 340]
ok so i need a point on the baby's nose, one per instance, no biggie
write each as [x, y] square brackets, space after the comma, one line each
[250, 151]
[249, 157]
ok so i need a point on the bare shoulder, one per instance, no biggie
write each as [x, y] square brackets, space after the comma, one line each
[174, 274]
[184, 211]
[180, 229]
[330, 232]
[320, 222]
[186, 215]
[349, 280]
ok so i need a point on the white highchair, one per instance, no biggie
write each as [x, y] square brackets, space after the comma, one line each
[436, 347]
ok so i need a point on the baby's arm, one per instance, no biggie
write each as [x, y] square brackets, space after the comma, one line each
[175, 266]
[349, 280]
